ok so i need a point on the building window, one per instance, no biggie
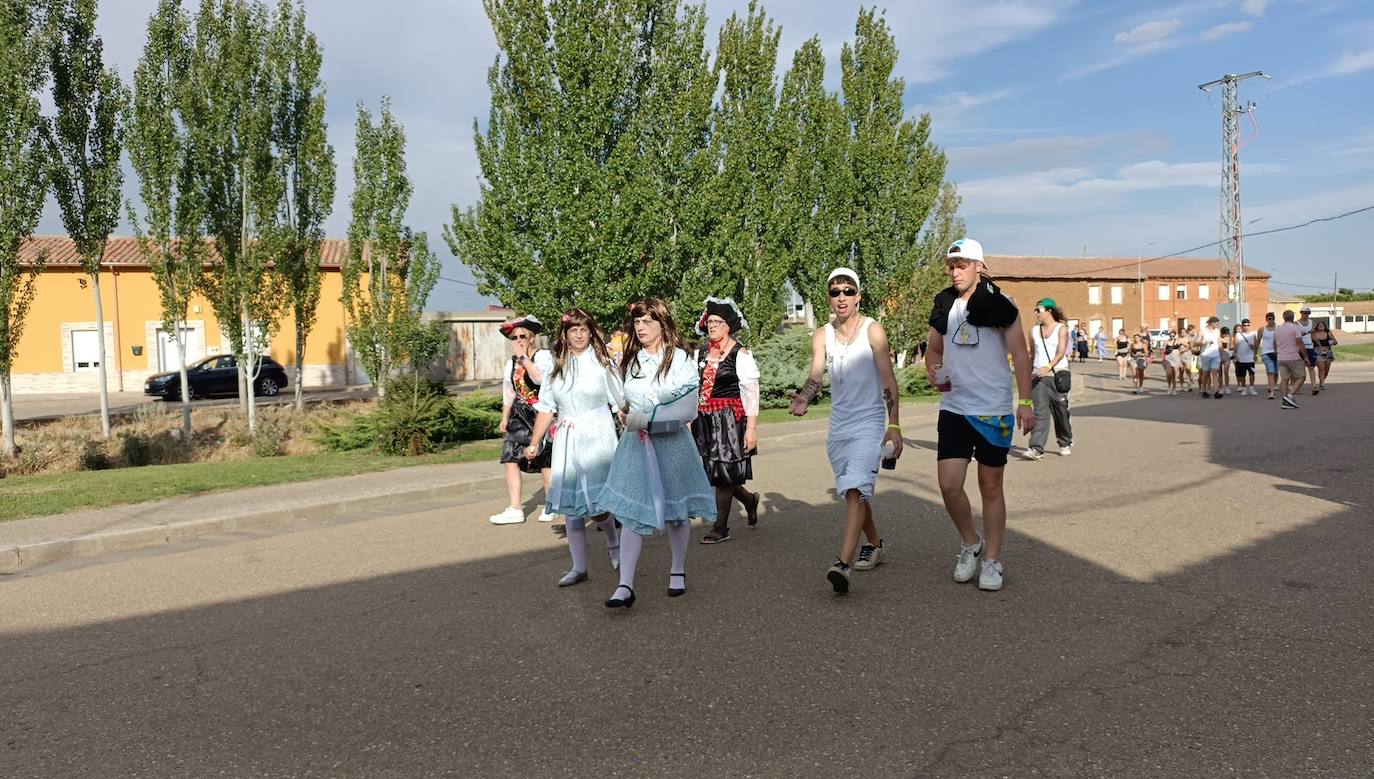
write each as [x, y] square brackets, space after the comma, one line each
[1116, 294]
[1203, 292]
[1164, 324]
[85, 350]
[1094, 295]
[1118, 325]
[1163, 291]
[1181, 293]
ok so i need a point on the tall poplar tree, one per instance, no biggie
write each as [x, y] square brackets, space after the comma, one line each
[170, 233]
[23, 184]
[307, 166]
[228, 110]
[390, 270]
[907, 311]
[85, 142]
[595, 155]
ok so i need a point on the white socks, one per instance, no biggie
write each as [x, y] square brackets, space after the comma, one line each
[679, 537]
[577, 542]
[631, 543]
[612, 540]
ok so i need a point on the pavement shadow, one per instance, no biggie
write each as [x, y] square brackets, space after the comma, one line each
[1252, 660]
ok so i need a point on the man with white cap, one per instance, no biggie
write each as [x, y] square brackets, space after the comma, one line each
[973, 327]
[864, 428]
[1305, 322]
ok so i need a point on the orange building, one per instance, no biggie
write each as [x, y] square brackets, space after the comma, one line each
[59, 348]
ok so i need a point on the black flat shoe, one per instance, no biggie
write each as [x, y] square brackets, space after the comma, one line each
[753, 512]
[615, 603]
[673, 592]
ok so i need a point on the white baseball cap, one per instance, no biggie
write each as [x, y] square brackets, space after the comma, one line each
[1306, 309]
[966, 249]
[834, 274]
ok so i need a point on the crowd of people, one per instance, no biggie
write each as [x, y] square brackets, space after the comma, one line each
[639, 437]
[1219, 362]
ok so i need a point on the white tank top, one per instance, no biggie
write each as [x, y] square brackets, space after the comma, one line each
[856, 392]
[979, 372]
[1046, 347]
[1267, 340]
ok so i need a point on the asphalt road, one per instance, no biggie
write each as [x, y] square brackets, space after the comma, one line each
[1188, 595]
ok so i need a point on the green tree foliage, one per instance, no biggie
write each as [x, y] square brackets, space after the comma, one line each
[907, 314]
[85, 142]
[229, 111]
[595, 157]
[159, 149]
[306, 164]
[23, 183]
[390, 270]
[620, 159]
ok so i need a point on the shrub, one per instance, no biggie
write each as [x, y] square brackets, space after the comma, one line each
[136, 449]
[912, 382]
[411, 424]
[784, 362]
[93, 456]
[270, 440]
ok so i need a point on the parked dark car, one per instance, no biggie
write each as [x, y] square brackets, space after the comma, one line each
[215, 376]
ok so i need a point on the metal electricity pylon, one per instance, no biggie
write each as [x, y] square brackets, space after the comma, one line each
[1233, 261]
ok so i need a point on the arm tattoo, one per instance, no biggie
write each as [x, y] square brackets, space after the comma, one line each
[890, 402]
[809, 390]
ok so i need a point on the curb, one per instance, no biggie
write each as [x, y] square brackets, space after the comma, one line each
[14, 559]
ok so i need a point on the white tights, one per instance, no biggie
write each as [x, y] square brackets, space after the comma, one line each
[631, 544]
[577, 541]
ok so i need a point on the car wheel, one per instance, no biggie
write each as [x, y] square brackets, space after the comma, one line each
[178, 394]
[269, 387]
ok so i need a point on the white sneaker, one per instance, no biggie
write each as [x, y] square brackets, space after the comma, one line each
[545, 516]
[511, 516]
[1032, 454]
[1065, 451]
[869, 557]
[967, 564]
[991, 577]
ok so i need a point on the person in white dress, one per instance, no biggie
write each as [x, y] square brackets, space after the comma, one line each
[864, 425]
[526, 368]
[580, 389]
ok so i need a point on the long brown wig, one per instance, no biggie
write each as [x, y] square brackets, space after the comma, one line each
[658, 310]
[562, 350]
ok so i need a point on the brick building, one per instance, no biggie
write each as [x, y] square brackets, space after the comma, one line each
[1102, 292]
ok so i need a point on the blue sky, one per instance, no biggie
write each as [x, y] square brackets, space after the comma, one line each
[1070, 126]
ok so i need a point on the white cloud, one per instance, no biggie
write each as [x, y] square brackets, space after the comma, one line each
[1075, 189]
[1254, 7]
[1120, 58]
[1148, 32]
[1223, 30]
[1051, 152]
[952, 110]
[1352, 62]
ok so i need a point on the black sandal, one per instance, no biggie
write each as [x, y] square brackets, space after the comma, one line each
[716, 536]
[753, 511]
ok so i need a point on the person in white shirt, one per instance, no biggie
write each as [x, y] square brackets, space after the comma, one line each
[1048, 345]
[1246, 344]
[1269, 353]
[1209, 361]
[1305, 323]
[973, 327]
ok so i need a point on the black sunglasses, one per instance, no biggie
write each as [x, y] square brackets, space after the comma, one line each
[848, 292]
[522, 337]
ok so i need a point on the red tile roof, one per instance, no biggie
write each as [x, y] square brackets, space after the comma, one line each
[1107, 268]
[122, 251]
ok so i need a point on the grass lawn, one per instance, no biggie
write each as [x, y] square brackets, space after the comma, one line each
[58, 493]
[1355, 352]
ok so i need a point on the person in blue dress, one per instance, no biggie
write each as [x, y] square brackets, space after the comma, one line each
[656, 481]
[581, 389]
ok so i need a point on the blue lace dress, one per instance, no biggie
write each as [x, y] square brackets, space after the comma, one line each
[657, 476]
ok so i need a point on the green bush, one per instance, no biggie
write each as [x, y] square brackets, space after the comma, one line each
[270, 440]
[407, 424]
[784, 362]
[93, 456]
[137, 449]
[912, 382]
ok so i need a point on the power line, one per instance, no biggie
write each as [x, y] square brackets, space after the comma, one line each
[458, 281]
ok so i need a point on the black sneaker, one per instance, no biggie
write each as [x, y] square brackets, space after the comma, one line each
[839, 577]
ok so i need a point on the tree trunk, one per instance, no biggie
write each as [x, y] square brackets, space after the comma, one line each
[100, 339]
[248, 369]
[185, 384]
[300, 367]
[7, 414]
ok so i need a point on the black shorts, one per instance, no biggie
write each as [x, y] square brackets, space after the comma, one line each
[957, 440]
[1244, 369]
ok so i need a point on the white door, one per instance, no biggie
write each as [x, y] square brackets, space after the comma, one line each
[1118, 324]
[1093, 326]
[85, 350]
[167, 349]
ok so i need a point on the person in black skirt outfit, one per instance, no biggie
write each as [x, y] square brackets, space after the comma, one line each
[725, 427]
[523, 374]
